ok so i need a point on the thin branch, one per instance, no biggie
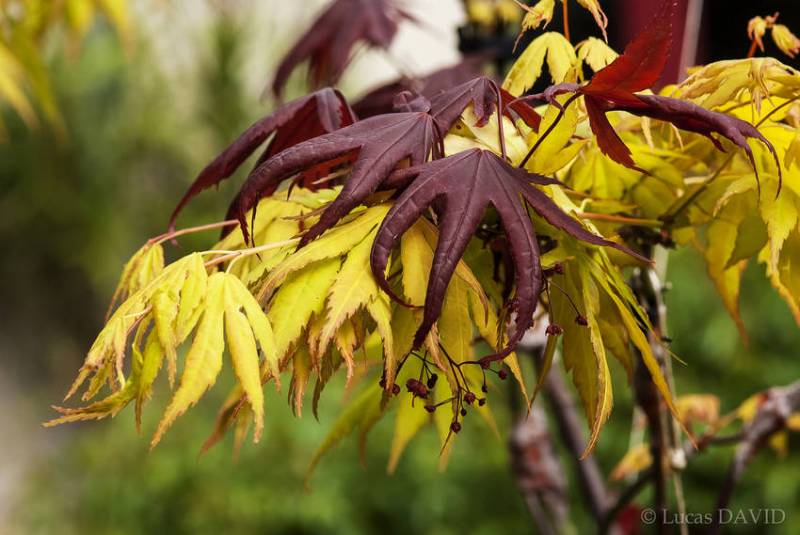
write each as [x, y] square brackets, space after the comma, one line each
[538, 472]
[771, 417]
[590, 478]
[563, 409]
[611, 218]
[191, 230]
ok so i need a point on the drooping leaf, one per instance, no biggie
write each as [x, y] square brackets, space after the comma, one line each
[643, 61]
[204, 360]
[304, 118]
[460, 188]
[329, 42]
[299, 297]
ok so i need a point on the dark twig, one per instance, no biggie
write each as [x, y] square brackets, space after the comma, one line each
[590, 479]
[538, 472]
[779, 403]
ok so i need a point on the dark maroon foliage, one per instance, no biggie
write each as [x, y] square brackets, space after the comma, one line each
[460, 188]
[329, 42]
[381, 100]
[302, 119]
[483, 94]
[376, 146]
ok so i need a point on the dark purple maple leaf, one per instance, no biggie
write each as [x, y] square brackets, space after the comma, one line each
[484, 95]
[329, 42]
[460, 188]
[307, 117]
[375, 146]
[381, 100]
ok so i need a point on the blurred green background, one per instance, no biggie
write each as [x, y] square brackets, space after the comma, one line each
[73, 211]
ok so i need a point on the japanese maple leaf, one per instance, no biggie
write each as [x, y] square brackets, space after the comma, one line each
[375, 146]
[381, 99]
[484, 95]
[307, 117]
[460, 188]
[615, 88]
[329, 42]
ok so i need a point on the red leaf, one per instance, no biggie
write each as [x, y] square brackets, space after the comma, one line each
[329, 42]
[608, 140]
[299, 120]
[643, 61]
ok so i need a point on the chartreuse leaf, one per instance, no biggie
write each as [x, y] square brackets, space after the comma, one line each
[242, 346]
[721, 237]
[300, 296]
[152, 358]
[595, 53]
[380, 310]
[333, 244]
[555, 151]
[353, 289]
[142, 268]
[108, 348]
[528, 68]
[258, 322]
[584, 353]
[204, 359]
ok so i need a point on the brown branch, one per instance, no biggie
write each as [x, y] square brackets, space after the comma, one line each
[565, 413]
[538, 472]
[778, 405]
[590, 478]
[647, 288]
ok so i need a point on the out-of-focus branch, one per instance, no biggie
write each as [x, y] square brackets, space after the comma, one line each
[646, 286]
[771, 417]
[565, 413]
[538, 472]
[564, 410]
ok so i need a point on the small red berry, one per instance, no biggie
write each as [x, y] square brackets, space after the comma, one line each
[469, 398]
[502, 374]
[581, 320]
[430, 408]
[382, 383]
[395, 389]
[484, 388]
[554, 329]
[455, 427]
[482, 402]
[463, 412]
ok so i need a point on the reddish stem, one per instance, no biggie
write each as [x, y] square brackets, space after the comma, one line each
[753, 47]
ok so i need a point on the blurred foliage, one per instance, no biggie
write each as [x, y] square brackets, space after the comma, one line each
[24, 28]
[69, 221]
